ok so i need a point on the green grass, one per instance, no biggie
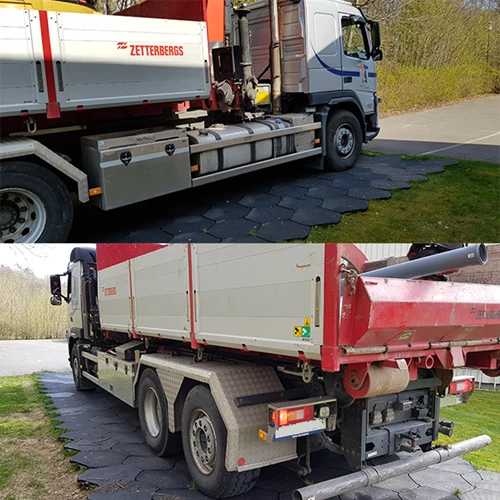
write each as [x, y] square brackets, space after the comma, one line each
[479, 416]
[33, 464]
[19, 397]
[460, 204]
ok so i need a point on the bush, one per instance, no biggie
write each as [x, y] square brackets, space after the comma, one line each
[25, 310]
[404, 88]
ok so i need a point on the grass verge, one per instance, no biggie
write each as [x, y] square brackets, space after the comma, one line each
[478, 416]
[460, 204]
[33, 464]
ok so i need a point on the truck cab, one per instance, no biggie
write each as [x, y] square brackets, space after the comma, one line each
[102, 126]
[81, 294]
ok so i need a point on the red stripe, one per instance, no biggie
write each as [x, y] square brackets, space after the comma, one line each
[331, 293]
[110, 254]
[194, 342]
[53, 110]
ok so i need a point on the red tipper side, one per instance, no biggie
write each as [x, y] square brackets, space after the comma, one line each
[110, 254]
[396, 318]
[185, 10]
[400, 311]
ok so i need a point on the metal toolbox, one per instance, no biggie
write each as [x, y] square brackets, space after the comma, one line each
[136, 166]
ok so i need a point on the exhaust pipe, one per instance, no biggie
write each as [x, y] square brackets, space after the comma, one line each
[249, 80]
[373, 475]
[275, 57]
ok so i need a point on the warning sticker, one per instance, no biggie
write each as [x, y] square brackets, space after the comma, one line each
[307, 321]
[302, 331]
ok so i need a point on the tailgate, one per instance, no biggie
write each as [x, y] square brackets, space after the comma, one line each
[396, 315]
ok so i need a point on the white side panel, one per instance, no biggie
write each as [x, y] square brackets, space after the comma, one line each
[160, 284]
[113, 60]
[18, 83]
[114, 298]
[254, 296]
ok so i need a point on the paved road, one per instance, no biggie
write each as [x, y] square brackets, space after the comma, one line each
[21, 357]
[106, 434]
[469, 130]
[278, 204]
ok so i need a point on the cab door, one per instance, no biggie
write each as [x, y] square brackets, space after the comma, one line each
[74, 296]
[358, 67]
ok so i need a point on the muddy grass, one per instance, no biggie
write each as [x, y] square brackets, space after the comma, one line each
[33, 463]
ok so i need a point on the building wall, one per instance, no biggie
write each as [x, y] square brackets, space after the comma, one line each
[378, 251]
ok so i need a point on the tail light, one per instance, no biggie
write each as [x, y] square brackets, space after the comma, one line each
[459, 386]
[289, 416]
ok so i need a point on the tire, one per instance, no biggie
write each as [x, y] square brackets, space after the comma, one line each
[81, 384]
[29, 188]
[344, 139]
[201, 425]
[153, 416]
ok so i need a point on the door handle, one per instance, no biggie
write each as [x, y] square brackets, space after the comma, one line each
[347, 79]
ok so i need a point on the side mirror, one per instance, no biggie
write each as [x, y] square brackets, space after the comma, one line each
[377, 54]
[55, 285]
[376, 38]
[358, 20]
[55, 300]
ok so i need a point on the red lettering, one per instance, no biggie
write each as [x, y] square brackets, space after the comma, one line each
[147, 49]
[151, 50]
[156, 50]
[162, 50]
[170, 50]
[132, 50]
[181, 51]
[176, 51]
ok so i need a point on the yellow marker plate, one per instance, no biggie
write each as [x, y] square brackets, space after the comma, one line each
[307, 321]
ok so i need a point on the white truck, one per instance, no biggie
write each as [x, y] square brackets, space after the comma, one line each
[165, 96]
[251, 355]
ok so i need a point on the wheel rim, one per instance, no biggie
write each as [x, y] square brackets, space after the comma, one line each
[202, 441]
[152, 412]
[22, 216]
[344, 140]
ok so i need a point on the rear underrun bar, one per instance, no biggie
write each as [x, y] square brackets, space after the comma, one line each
[373, 475]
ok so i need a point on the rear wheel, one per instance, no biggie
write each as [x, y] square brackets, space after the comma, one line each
[204, 439]
[344, 139]
[35, 205]
[153, 416]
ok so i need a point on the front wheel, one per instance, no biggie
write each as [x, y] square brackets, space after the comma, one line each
[344, 139]
[204, 439]
[35, 205]
[81, 383]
